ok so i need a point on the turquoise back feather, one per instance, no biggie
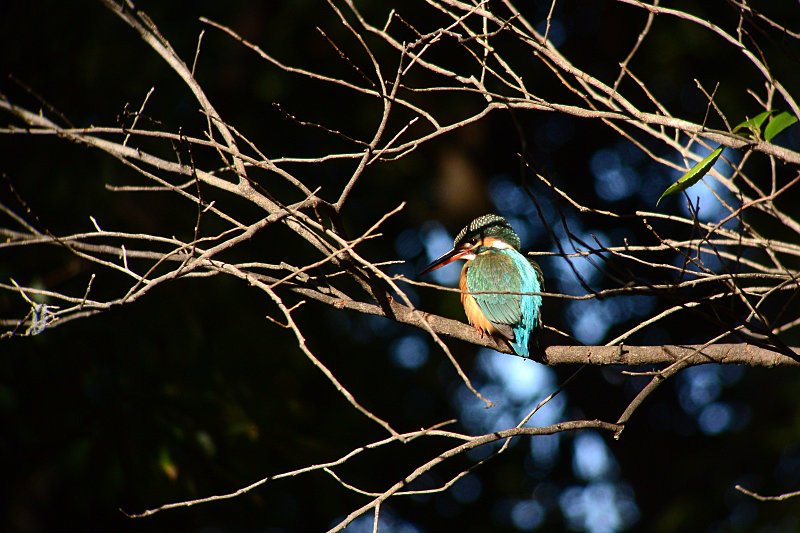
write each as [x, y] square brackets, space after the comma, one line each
[507, 270]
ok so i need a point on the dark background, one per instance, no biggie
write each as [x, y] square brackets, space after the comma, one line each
[190, 392]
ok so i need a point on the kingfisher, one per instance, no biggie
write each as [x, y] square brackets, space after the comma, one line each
[494, 263]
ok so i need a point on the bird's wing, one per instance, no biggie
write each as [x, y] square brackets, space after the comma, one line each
[540, 279]
[496, 272]
[539, 273]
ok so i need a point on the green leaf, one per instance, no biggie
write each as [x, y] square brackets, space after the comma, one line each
[694, 174]
[753, 124]
[778, 123]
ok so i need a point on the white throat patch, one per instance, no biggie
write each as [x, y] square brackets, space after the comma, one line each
[500, 245]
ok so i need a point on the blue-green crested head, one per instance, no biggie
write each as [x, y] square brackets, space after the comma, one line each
[485, 227]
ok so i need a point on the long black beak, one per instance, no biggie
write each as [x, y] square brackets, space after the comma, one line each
[449, 257]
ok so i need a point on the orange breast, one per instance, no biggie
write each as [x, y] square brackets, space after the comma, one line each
[472, 309]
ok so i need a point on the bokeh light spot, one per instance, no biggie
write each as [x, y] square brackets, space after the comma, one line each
[591, 458]
[527, 515]
[409, 352]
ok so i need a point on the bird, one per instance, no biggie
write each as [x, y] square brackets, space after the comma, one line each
[491, 248]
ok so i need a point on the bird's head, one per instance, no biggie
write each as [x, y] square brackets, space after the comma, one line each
[483, 233]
